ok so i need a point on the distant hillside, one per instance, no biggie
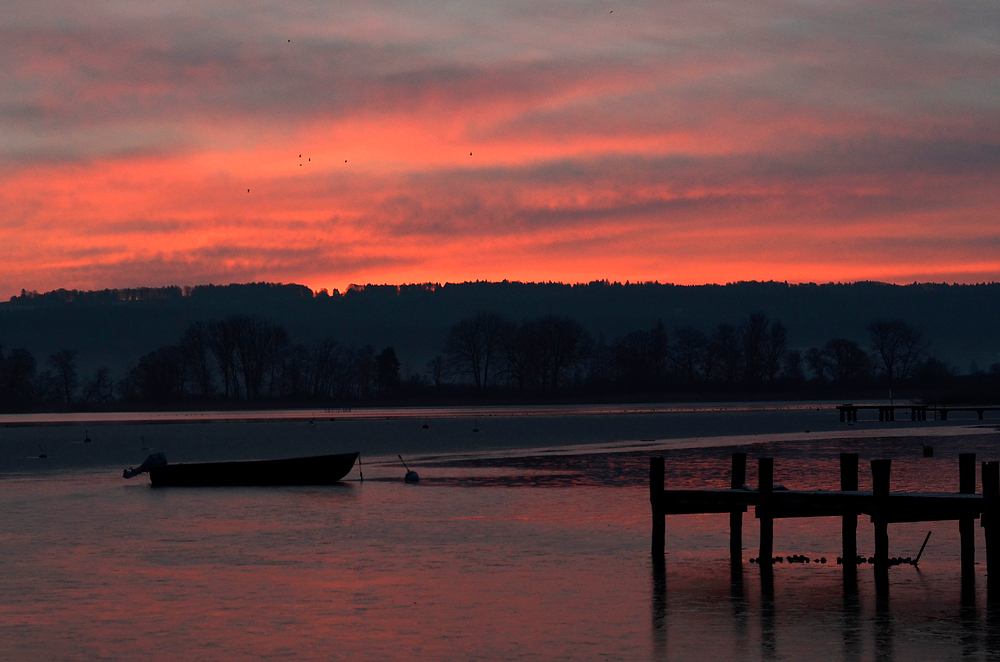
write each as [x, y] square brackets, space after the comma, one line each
[115, 327]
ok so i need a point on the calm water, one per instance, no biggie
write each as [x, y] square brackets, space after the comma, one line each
[498, 553]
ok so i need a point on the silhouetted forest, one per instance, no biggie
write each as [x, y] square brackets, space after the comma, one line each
[262, 345]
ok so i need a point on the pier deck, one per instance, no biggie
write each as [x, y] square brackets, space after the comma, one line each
[883, 506]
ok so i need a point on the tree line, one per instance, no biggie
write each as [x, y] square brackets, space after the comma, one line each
[250, 359]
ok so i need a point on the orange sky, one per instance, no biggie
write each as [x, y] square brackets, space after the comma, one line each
[684, 142]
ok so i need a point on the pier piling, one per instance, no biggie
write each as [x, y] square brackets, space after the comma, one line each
[739, 478]
[880, 490]
[989, 521]
[849, 527]
[765, 489]
[656, 501]
[966, 525]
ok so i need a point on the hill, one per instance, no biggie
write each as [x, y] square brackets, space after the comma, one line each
[115, 327]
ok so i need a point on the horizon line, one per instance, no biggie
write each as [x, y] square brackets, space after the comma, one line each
[186, 290]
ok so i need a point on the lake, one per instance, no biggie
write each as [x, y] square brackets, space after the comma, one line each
[528, 539]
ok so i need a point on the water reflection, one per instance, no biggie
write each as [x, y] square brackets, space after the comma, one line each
[883, 616]
[739, 606]
[968, 618]
[992, 629]
[851, 615]
[768, 634]
[659, 607]
[880, 615]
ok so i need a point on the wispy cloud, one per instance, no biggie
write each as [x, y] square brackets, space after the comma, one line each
[685, 141]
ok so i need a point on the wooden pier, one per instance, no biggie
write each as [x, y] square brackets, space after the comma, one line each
[849, 412]
[881, 504]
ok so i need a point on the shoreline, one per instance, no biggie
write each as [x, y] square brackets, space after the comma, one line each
[394, 413]
[721, 441]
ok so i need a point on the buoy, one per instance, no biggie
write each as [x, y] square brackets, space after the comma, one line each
[475, 426]
[411, 476]
[427, 427]
[928, 451]
[86, 437]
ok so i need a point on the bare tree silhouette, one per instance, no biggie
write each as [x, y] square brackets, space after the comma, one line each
[475, 345]
[897, 348]
[63, 363]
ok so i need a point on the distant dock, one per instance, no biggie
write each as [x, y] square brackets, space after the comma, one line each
[849, 412]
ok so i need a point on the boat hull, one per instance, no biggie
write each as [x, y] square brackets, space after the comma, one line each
[317, 470]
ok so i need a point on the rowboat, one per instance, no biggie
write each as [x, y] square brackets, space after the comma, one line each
[316, 470]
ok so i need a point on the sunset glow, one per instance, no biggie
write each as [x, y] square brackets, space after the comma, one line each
[159, 142]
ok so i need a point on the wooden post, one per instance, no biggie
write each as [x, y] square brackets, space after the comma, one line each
[849, 527]
[991, 514]
[765, 488]
[966, 525]
[880, 490]
[656, 501]
[739, 478]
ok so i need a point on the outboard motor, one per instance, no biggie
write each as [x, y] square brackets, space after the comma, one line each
[154, 460]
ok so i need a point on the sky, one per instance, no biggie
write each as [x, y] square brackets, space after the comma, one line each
[160, 142]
